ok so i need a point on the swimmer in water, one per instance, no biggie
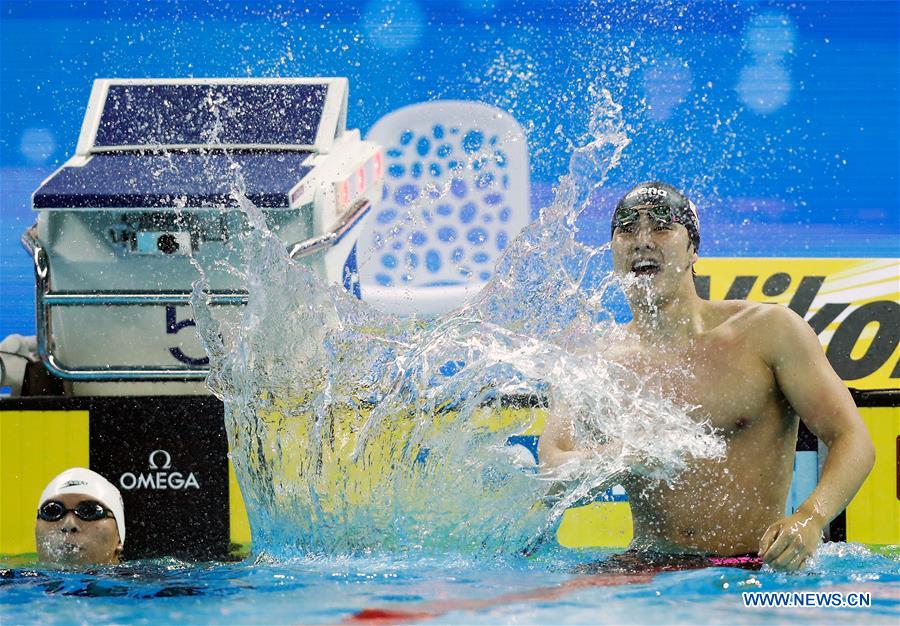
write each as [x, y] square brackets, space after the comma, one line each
[751, 369]
[80, 520]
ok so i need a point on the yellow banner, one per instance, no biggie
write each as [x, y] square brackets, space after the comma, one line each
[35, 446]
[853, 305]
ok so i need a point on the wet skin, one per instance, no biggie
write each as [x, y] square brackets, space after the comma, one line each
[73, 541]
[725, 506]
[750, 369]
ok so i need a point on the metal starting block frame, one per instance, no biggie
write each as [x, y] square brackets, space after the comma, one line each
[161, 154]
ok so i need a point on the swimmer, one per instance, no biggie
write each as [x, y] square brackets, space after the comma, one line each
[751, 369]
[80, 520]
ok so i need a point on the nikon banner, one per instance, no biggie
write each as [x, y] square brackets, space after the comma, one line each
[853, 305]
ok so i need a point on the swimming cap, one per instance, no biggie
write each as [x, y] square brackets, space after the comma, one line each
[85, 482]
[655, 193]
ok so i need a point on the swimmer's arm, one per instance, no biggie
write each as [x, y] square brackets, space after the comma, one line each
[557, 445]
[822, 401]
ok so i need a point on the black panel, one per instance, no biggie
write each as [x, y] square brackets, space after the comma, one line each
[204, 115]
[868, 398]
[180, 506]
[837, 530]
[806, 441]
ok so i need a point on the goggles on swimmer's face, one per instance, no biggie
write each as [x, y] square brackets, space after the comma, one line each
[627, 218]
[664, 205]
[89, 511]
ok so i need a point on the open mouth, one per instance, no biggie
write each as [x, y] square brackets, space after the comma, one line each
[645, 267]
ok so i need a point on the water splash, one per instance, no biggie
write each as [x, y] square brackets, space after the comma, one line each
[354, 431]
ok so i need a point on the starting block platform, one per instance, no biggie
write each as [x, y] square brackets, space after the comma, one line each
[154, 182]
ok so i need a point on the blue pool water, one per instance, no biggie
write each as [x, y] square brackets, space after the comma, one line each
[440, 591]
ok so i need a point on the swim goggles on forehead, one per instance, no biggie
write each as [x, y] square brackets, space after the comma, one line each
[89, 511]
[660, 214]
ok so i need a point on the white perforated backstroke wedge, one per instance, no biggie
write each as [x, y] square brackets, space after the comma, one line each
[456, 193]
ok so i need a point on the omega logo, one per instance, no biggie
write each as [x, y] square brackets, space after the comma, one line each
[156, 479]
[166, 465]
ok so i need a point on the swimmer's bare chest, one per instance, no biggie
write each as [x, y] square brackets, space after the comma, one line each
[720, 506]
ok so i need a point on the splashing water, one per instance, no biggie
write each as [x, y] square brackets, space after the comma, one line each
[356, 431]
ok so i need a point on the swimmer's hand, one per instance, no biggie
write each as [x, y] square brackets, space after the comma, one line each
[787, 544]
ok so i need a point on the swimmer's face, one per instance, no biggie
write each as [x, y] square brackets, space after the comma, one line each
[653, 253]
[74, 541]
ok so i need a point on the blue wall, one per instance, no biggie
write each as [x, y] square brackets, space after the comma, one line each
[780, 119]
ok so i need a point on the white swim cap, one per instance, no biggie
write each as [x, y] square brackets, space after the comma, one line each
[85, 482]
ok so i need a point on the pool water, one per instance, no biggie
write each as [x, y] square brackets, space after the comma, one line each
[389, 589]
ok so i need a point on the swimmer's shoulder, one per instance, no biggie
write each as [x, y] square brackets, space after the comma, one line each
[756, 318]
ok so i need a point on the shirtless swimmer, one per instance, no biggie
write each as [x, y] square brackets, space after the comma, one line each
[752, 369]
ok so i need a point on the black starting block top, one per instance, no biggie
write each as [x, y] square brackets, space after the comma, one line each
[175, 178]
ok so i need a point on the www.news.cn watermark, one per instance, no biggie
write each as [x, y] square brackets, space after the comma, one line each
[794, 599]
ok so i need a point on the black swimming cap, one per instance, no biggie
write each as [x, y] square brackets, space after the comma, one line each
[655, 193]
